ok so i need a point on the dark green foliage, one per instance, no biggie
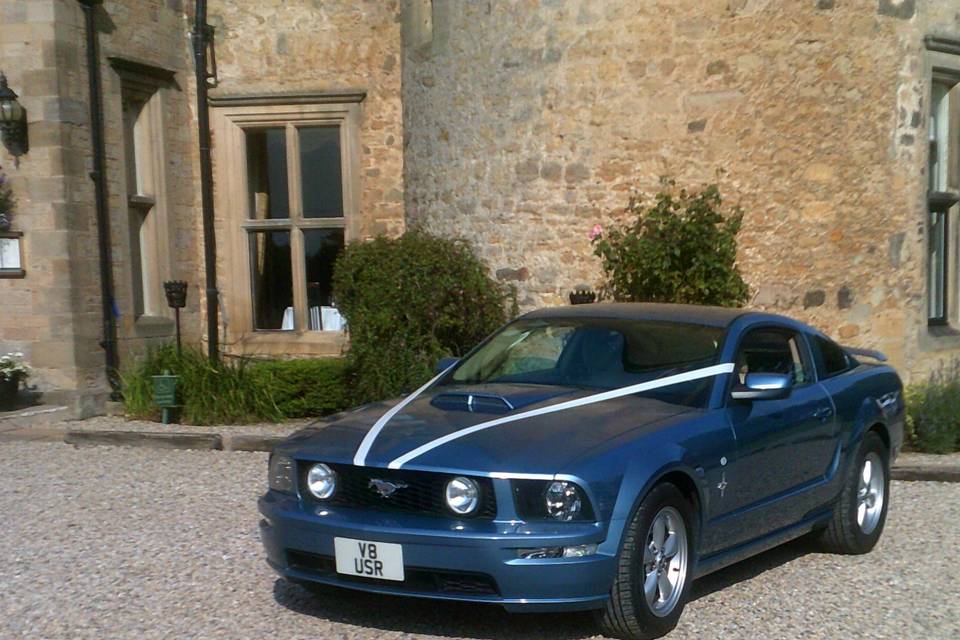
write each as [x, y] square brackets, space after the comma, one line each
[239, 391]
[210, 392]
[6, 197]
[933, 412]
[408, 302]
[680, 248]
[305, 388]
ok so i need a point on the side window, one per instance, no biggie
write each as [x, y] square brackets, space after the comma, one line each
[772, 351]
[834, 359]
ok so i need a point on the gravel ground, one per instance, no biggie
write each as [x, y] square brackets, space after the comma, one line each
[109, 542]
[117, 423]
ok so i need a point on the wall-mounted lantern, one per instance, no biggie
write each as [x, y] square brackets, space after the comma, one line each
[13, 122]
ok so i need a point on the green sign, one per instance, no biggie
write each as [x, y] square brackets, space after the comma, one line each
[165, 390]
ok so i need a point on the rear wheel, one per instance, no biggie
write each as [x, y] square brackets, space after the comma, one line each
[654, 572]
[861, 510]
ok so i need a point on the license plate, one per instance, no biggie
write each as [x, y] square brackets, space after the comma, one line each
[369, 559]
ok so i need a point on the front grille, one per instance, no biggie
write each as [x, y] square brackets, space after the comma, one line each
[423, 493]
[415, 578]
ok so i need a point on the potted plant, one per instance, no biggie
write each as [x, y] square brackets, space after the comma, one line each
[12, 371]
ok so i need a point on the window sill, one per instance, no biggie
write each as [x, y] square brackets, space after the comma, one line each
[942, 330]
[153, 326]
[295, 343]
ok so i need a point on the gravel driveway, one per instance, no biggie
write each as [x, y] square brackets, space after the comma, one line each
[115, 543]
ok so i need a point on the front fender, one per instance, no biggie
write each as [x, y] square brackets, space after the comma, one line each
[642, 473]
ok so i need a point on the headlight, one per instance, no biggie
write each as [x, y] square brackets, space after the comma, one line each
[321, 481]
[280, 474]
[563, 501]
[463, 495]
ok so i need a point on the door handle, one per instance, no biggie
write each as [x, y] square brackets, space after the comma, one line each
[823, 413]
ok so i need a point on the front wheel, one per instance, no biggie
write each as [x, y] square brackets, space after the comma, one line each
[861, 510]
[654, 572]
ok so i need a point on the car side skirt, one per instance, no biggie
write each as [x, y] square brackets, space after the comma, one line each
[727, 557]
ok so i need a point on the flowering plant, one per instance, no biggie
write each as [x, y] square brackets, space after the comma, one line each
[12, 367]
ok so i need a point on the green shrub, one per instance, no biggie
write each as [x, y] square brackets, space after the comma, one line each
[408, 302]
[305, 388]
[680, 248]
[240, 391]
[933, 412]
[210, 392]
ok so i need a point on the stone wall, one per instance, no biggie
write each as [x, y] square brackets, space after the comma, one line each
[528, 122]
[295, 46]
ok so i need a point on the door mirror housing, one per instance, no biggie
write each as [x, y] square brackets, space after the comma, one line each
[445, 363]
[763, 386]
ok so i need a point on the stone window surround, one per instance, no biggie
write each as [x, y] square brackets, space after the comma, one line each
[229, 117]
[942, 61]
[150, 84]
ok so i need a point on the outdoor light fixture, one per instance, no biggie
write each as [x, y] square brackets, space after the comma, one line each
[176, 291]
[13, 121]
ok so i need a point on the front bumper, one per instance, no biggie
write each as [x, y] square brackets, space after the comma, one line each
[299, 542]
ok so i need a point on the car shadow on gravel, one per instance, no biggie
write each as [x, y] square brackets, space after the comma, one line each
[753, 567]
[418, 616]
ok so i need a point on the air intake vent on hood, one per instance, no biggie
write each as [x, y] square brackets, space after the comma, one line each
[472, 402]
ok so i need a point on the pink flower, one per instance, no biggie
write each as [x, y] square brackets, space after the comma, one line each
[595, 232]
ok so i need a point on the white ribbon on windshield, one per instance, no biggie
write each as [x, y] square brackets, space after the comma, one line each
[659, 383]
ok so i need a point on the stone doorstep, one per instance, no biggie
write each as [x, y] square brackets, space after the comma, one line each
[154, 440]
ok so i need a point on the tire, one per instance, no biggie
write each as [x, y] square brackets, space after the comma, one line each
[861, 509]
[628, 613]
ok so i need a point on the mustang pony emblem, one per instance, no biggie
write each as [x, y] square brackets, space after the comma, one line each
[386, 488]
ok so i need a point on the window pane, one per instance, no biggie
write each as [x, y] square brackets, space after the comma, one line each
[321, 248]
[270, 268]
[939, 136]
[322, 177]
[835, 360]
[267, 173]
[937, 264]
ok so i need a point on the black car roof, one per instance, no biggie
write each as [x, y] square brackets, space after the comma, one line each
[689, 313]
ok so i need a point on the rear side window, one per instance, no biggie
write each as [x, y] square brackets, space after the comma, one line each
[833, 359]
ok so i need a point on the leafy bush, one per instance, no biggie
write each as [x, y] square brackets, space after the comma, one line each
[933, 412]
[210, 392]
[408, 302]
[680, 248]
[305, 388]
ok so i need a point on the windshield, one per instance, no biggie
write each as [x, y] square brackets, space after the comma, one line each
[596, 353]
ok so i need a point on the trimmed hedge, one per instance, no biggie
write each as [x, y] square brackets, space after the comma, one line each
[408, 302]
[237, 391]
[305, 388]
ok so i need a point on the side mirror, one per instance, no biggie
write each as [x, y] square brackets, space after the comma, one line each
[763, 386]
[445, 363]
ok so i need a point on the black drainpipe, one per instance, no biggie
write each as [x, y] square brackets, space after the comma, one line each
[201, 38]
[98, 175]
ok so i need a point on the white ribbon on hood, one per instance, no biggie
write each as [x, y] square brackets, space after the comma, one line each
[360, 457]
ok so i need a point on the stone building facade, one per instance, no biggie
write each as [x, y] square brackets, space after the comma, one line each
[528, 122]
[516, 124]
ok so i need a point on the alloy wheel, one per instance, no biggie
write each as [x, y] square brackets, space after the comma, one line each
[870, 493]
[665, 561]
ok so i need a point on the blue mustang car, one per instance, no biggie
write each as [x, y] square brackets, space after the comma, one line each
[594, 457]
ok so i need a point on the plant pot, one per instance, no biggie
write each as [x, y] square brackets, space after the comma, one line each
[9, 387]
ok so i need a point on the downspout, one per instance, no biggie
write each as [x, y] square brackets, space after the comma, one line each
[201, 39]
[98, 175]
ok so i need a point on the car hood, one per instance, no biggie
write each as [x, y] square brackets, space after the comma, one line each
[540, 444]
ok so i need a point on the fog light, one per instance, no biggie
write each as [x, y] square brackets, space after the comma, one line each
[579, 550]
[321, 481]
[463, 495]
[540, 552]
